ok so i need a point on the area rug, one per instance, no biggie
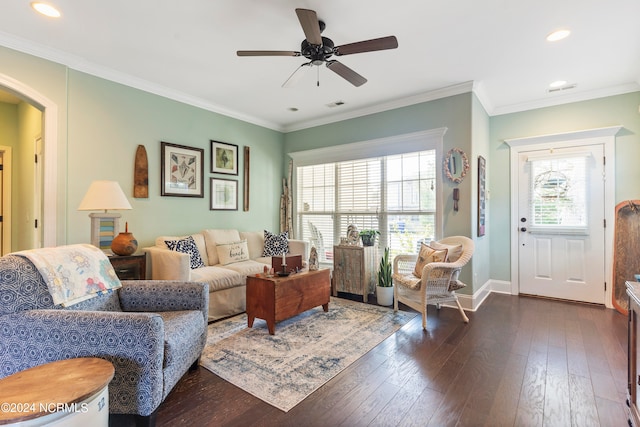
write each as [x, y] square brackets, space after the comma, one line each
[305, 352]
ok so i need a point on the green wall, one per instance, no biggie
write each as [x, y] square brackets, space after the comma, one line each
[101, 123]
[611, 111]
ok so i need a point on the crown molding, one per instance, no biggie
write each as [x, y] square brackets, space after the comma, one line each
[432, 95]
[566, 99]
[80, 64]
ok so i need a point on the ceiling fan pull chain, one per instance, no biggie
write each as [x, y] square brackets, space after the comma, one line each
[318, 76]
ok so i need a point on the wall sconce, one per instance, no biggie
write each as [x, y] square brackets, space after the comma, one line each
[456, 197]
[104, 196]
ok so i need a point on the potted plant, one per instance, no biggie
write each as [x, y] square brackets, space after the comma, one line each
[384, 290]
[369, 237]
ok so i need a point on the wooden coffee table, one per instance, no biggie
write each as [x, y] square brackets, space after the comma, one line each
[277, 298]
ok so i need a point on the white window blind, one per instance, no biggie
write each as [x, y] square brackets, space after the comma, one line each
[393, 194]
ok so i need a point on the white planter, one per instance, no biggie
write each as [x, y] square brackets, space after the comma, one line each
[384, 295]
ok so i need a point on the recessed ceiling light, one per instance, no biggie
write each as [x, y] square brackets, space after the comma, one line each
[558, 35]
[45, 9]
[558, 83]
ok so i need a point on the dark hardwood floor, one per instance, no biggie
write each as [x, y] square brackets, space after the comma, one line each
[520, 361]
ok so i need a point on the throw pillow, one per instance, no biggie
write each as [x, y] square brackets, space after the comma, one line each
[228, 253]
[275, 244]
[187, 246]
[453, 251]
[428, 255]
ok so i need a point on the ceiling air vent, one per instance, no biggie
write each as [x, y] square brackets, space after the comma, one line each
[335, 104]
[562, 88]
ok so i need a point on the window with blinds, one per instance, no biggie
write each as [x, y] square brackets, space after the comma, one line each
[558, 193]
[393, 194]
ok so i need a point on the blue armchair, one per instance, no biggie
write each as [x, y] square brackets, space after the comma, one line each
[152, 332]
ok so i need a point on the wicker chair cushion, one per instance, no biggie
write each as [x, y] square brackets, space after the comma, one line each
[427, 255]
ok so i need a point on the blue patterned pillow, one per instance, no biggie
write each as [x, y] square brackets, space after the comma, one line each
[275, 244]
[187, 246]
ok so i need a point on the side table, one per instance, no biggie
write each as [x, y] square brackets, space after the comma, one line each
[66, 393]
[130, 267]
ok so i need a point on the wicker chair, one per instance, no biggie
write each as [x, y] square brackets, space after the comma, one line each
[438, 283]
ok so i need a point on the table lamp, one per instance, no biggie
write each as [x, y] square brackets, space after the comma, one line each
[104, 196]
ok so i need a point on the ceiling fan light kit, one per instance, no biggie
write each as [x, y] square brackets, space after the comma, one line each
[318, 50]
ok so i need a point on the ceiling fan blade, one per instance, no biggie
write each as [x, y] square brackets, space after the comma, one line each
[295, 77]
[346, 73]
[309, 22]
[389, 42]
[267, 53]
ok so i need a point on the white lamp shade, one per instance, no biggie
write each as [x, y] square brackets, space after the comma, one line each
[104, 195]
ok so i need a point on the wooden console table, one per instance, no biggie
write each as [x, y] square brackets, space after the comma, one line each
[277, 298]
[354, 270]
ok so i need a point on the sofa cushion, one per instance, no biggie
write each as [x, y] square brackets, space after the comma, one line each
[228, 253]
[218, 277]
[213, 237]
[255, 242]
[247, 268]
[275, 244]
[181, 330]
[187, 246]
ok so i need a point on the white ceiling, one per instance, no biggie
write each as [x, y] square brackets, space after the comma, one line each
[186, 50]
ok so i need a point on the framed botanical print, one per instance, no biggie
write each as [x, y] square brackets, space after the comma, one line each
[181, 170]
[224, 195]
[224, 158]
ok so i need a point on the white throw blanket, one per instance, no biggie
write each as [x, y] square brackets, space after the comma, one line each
[73, 273]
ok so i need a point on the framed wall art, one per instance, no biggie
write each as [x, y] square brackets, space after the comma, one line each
[482, 196]
[181, 170]
[224, 195]
[224, 158]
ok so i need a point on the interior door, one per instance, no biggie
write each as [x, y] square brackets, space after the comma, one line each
[561, 223]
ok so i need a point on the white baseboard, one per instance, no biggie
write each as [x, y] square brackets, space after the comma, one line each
[473, 302]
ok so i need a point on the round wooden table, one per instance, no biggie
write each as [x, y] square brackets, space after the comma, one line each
[67, 392]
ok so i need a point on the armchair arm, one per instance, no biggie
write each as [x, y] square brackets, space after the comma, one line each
[164, 295]
[133, 342]
[168, 265]
[404, 263]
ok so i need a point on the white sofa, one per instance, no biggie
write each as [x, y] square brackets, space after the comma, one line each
[226, 280]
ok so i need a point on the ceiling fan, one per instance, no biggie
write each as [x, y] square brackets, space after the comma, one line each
[318, 50]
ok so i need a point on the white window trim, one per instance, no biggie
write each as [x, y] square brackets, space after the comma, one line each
[398, 144]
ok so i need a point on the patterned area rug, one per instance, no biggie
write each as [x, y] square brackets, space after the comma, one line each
[305, 352]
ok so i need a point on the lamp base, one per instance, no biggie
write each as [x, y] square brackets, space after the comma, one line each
[104, 228]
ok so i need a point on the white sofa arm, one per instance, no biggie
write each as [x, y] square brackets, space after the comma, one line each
[299, 247]
[168, 265]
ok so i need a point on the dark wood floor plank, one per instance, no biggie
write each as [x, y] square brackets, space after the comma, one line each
[512, 365]
[583, 404]
[557, 399]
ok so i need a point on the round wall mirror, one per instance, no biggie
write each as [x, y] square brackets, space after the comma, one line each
[456, 165]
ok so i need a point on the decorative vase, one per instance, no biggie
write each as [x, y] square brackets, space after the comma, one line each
[124, 243]
[384, 295]
[368, 240]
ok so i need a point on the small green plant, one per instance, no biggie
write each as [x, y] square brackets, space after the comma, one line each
[369, 237]
[384, 271]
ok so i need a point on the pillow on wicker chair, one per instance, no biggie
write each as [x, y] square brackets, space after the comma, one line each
[428, 255]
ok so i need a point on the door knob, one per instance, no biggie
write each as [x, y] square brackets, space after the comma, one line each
[523, 229]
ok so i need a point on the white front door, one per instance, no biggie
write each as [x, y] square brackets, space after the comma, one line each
[561, 215]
